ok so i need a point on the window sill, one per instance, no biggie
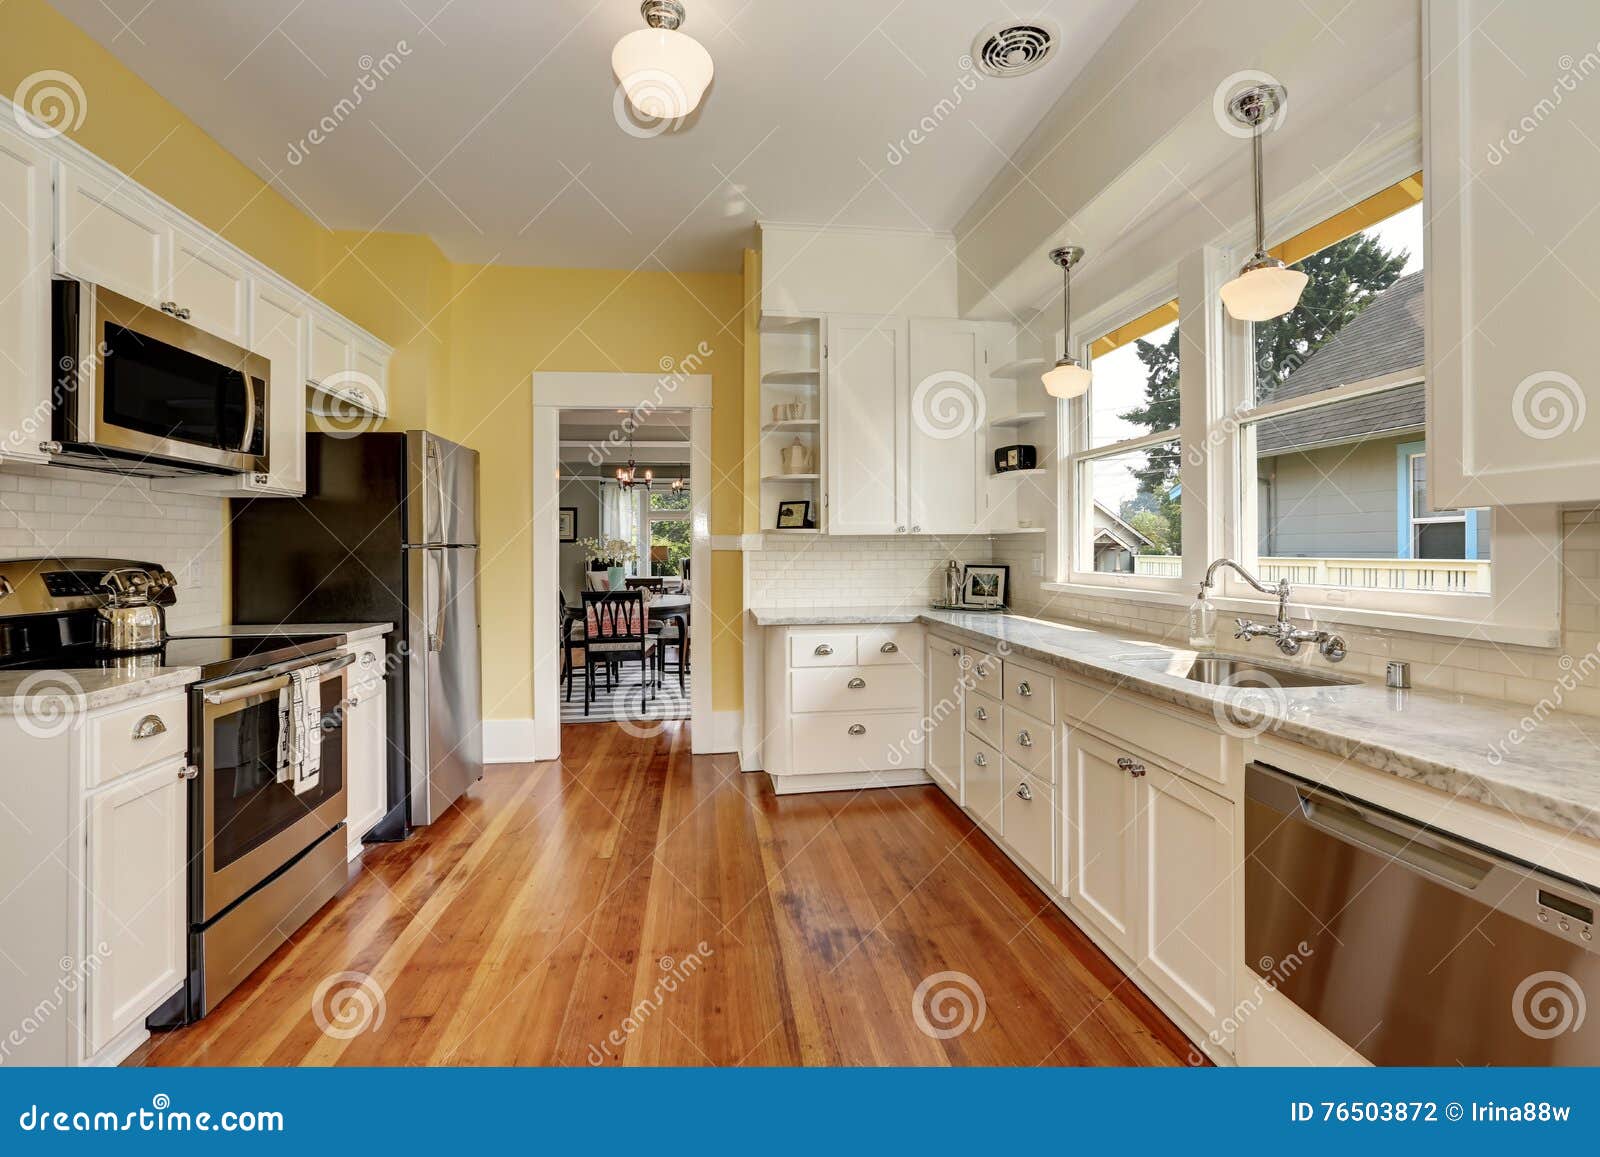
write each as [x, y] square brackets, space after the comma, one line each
[1511, 634]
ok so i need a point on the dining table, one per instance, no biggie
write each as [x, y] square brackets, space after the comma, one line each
[663, 606]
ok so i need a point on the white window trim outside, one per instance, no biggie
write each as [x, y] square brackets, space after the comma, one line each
[1077, 457]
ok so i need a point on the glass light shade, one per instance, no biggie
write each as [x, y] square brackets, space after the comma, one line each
[1263, 293]
[1066, 380]
[664, 72]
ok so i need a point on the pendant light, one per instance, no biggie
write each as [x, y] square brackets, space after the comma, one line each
[1067, 379]
[628, 477]
[663, 71]
[1265, 288]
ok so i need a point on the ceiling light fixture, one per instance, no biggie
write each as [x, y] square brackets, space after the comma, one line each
[1265, 288]
[1068, 379]
[663, 71]
[628, 477]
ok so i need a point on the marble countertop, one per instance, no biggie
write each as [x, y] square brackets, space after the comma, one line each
[821, 616]
[1477, 749]
[352, 632]
[49, 699]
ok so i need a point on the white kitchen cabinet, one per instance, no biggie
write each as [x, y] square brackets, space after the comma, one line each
[25, 374]
[867, 413]
[211, 287]
[333, 350]
[1186, 850]
[1511, 250]
[366, 743]
[945, 715]
[136, 898]
[1103, 883]
[109, 234]
[371, 365]
[948, 426]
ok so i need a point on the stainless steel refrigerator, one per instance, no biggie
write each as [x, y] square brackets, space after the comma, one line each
[387, 532]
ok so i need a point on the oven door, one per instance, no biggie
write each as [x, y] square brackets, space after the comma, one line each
[249, 824]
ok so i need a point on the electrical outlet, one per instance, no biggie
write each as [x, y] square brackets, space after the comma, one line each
[1037, 564]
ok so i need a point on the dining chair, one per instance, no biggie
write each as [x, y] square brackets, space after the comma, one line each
[654, 583]
[674, 632]
[616, 629]
[572, 640]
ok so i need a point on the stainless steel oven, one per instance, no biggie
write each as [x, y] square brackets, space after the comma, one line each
[141, 391]
[262, 857]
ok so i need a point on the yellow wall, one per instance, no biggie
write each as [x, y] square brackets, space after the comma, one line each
[467, 339]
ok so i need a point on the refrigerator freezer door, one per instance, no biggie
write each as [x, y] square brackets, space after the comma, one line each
[446, 687]
[443, 501]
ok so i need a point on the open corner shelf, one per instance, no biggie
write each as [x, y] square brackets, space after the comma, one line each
[798, 425]
[1020, 473]
[1020, 368]
[794, 530]
[791, 377]
[782, 323]
[1020, 418]
[1017, 530]
[791, 478]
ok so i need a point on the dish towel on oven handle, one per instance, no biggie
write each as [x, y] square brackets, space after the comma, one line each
[286, 718]
[306, 743]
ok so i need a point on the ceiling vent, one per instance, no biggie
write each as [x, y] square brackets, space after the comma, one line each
[1013, 48]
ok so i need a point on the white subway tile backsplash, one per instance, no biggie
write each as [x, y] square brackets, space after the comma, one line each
[45, 510]
[839, 571]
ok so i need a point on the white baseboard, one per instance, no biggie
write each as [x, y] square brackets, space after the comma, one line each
[848, 780]
[509, 741]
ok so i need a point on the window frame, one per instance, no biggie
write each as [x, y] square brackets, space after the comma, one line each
[1077, 456]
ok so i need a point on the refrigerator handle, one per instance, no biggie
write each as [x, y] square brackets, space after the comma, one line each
[432, 455]
[436, 636]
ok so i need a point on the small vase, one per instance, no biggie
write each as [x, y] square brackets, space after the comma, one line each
[615, 576]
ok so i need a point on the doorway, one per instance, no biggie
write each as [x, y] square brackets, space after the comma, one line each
[657, 518]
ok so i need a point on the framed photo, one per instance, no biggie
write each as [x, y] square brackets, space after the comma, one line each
[795, 515]
[984, 584]
[567, 522]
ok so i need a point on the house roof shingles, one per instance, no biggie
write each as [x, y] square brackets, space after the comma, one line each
[1384, 338]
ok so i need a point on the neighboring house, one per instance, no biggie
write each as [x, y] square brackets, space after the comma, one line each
[1115, 542]
[1348, 480]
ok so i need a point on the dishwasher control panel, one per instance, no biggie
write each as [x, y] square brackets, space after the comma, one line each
[1566, 916]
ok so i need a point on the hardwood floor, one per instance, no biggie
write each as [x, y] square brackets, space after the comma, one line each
[633, 904]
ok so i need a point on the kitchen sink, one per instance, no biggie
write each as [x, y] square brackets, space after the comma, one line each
[1239, 671]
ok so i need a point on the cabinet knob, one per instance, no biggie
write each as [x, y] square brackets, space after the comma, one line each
[890, 649]
[1024, 739]
[1024, 791]
[149, 727]
[188, 772]
[981, 759]
[368, 658]
[823, 649]
[170, 307]
[1131, 766]
[956, 652]
[899, 530]
[1024, 689]
[856, 684]
[858, 729]
[982, 714]
[916, 530]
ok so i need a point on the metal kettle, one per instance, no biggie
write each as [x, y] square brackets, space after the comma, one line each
[132, 615]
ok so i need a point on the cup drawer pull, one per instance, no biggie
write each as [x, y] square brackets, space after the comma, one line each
[149, 727]
[983, 714]
[857, 683]
[981, 760]
[890, 649]
[1024, 791]
[823, 649]
[858, 729]
[1024, 739]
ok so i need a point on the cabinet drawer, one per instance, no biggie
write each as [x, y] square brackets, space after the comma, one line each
[982, 784]
[822, 649]
[886, 645]
[983, 719]
[137, 736]
[1030, 691]
[849, 742]
[1137, 724]
[1030, 744]
[1030, 811]
[853, 689]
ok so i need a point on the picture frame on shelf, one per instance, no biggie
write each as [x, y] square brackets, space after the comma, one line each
[794, 514]
[567, 523]
[985, 584]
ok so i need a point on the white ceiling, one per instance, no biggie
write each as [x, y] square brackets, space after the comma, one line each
[494, 131]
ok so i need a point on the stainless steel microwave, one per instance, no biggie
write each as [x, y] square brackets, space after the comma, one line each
[139, 390]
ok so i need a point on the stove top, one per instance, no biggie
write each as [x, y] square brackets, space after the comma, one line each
[215, 657]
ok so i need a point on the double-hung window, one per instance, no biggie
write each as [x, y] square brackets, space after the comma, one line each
[1125, 458]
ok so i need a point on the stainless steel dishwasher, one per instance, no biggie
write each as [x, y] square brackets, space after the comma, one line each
[1413, 946]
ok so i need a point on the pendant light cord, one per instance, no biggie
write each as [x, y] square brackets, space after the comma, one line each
[1066, 309]
[1255, 157]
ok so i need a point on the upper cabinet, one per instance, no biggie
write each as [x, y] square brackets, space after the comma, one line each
[108, 234]
[25, 311]
[946, 431]
[1512, 246]
[347, 369]
[209, 288]
[278, 329]
[867, 407]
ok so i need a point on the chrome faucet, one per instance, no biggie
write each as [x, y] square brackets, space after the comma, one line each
[1288, 637]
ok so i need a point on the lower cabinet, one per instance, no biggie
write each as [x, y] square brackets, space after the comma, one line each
[946, 706]
[134, 955]
[366, 744]
[1102, 811]
[1029, 805]
[982, 783]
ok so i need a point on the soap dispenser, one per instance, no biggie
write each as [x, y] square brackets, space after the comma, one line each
[1202, 621]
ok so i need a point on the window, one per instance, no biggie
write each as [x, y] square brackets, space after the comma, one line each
[669, 530]
[1126, 456]
[1333, 452]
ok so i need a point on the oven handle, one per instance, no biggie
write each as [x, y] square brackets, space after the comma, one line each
[275, 682]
